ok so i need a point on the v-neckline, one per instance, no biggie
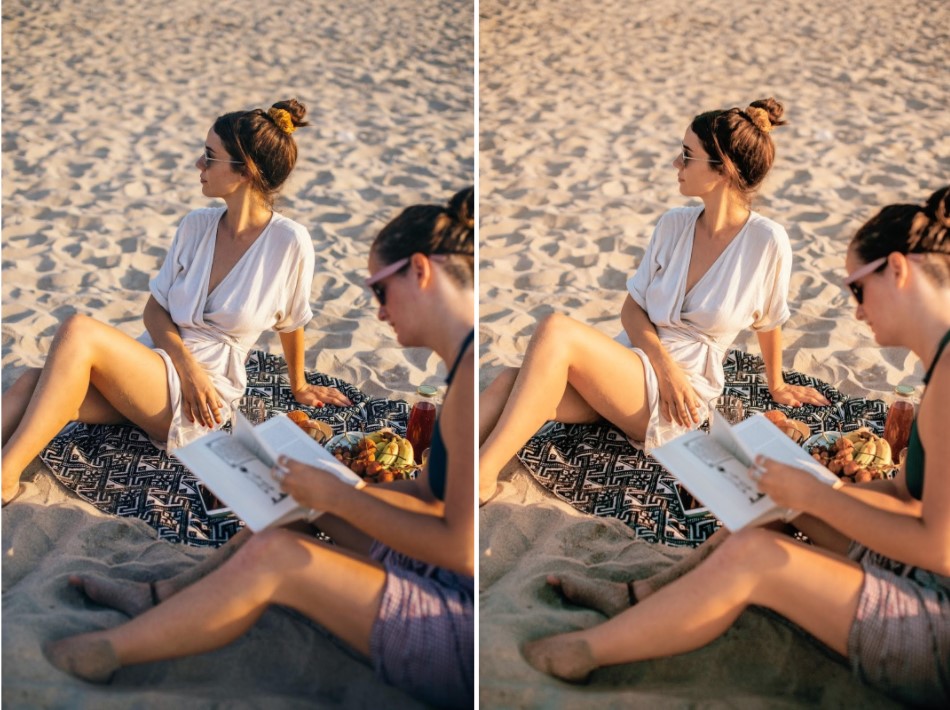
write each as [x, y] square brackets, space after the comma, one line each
[214, 245]
[715, 262]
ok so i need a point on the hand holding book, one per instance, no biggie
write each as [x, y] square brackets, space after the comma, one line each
[788, 486]
[718, 470]
[311, 487]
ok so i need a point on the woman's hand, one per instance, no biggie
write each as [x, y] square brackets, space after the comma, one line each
[314, 396]
[199, 398]
[311, 487]
[678, 400]
[796, 395]
[789, 486]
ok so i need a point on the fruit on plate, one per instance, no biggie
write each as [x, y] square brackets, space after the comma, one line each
[857, 456]
[316, 429]
[379, 457]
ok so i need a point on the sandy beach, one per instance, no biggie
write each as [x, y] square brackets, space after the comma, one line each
[582, 110]
[105, 110]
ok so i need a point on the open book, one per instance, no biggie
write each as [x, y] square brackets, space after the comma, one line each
[237, 467]
[715, 468]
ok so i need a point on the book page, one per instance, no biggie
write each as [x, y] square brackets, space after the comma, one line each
[757, 435]
[712, 473]
[236, 475]
[734, 471]
[279, 436]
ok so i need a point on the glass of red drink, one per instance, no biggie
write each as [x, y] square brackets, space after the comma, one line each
[420, 427]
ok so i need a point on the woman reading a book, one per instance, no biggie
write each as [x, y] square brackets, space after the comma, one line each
[709, 272]
[875, 586]
[231, 273]
[398, 584]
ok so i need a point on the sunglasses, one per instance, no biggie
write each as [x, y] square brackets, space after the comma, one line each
[684, 157]
[375, 282]
[208, 159]
[857, 289]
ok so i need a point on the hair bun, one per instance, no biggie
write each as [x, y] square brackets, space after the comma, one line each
[766, 114]
[938, 207]
[288, 115]
[462, 207]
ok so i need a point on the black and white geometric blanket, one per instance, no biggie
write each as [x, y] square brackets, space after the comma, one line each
[596, 469]
[118, 469]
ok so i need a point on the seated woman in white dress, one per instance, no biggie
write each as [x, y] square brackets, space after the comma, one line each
[231, 273]
[709, 272]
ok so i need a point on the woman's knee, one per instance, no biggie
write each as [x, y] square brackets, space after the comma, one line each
[556, 324]
[751, 549]
[270, 549]
[76, 330]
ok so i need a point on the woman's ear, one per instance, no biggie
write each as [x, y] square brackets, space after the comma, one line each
[897, 263]
[421, 268]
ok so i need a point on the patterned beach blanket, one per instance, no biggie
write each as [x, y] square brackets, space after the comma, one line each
[119, 471]
[596, 469]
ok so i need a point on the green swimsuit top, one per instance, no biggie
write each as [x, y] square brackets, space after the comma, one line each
[915, 451]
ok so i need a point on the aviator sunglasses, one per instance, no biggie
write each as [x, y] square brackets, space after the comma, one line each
[685, 158]
[208, 159]
[858, 288]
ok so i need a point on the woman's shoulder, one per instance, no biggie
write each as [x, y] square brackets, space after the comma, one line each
[768, 233]
[290, 231]
[766, 226]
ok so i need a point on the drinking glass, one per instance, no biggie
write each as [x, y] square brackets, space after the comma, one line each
[252, 407]
[729, 407]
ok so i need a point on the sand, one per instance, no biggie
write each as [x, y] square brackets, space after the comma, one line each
[582, 110]
[105, 110]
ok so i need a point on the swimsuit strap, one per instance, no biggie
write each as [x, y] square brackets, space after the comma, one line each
[943, 344]
[465, 343]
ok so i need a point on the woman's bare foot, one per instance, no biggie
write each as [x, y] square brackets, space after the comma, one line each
[131, 598]
[569, 660]
[609, 598]
[83, 656]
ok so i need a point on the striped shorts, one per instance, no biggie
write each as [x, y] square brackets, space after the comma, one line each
[423, 640]
[900, 638]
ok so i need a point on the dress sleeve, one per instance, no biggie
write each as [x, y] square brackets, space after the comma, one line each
[297, 312]
[775, 282]
[161, 283]
[638, 284]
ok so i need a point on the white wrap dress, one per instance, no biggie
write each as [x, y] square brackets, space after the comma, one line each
[269, 287]
[746, 287]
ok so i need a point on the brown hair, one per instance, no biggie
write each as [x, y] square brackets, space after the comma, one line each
[268, 152]
[434, 229]
[910, 229]
[740, 140]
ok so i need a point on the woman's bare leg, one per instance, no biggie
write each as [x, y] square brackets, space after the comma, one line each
[813, 588]
[572, 373]
[16, 399]
[134, 598]
[612, 598]
[96, 374]
[340, 591]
